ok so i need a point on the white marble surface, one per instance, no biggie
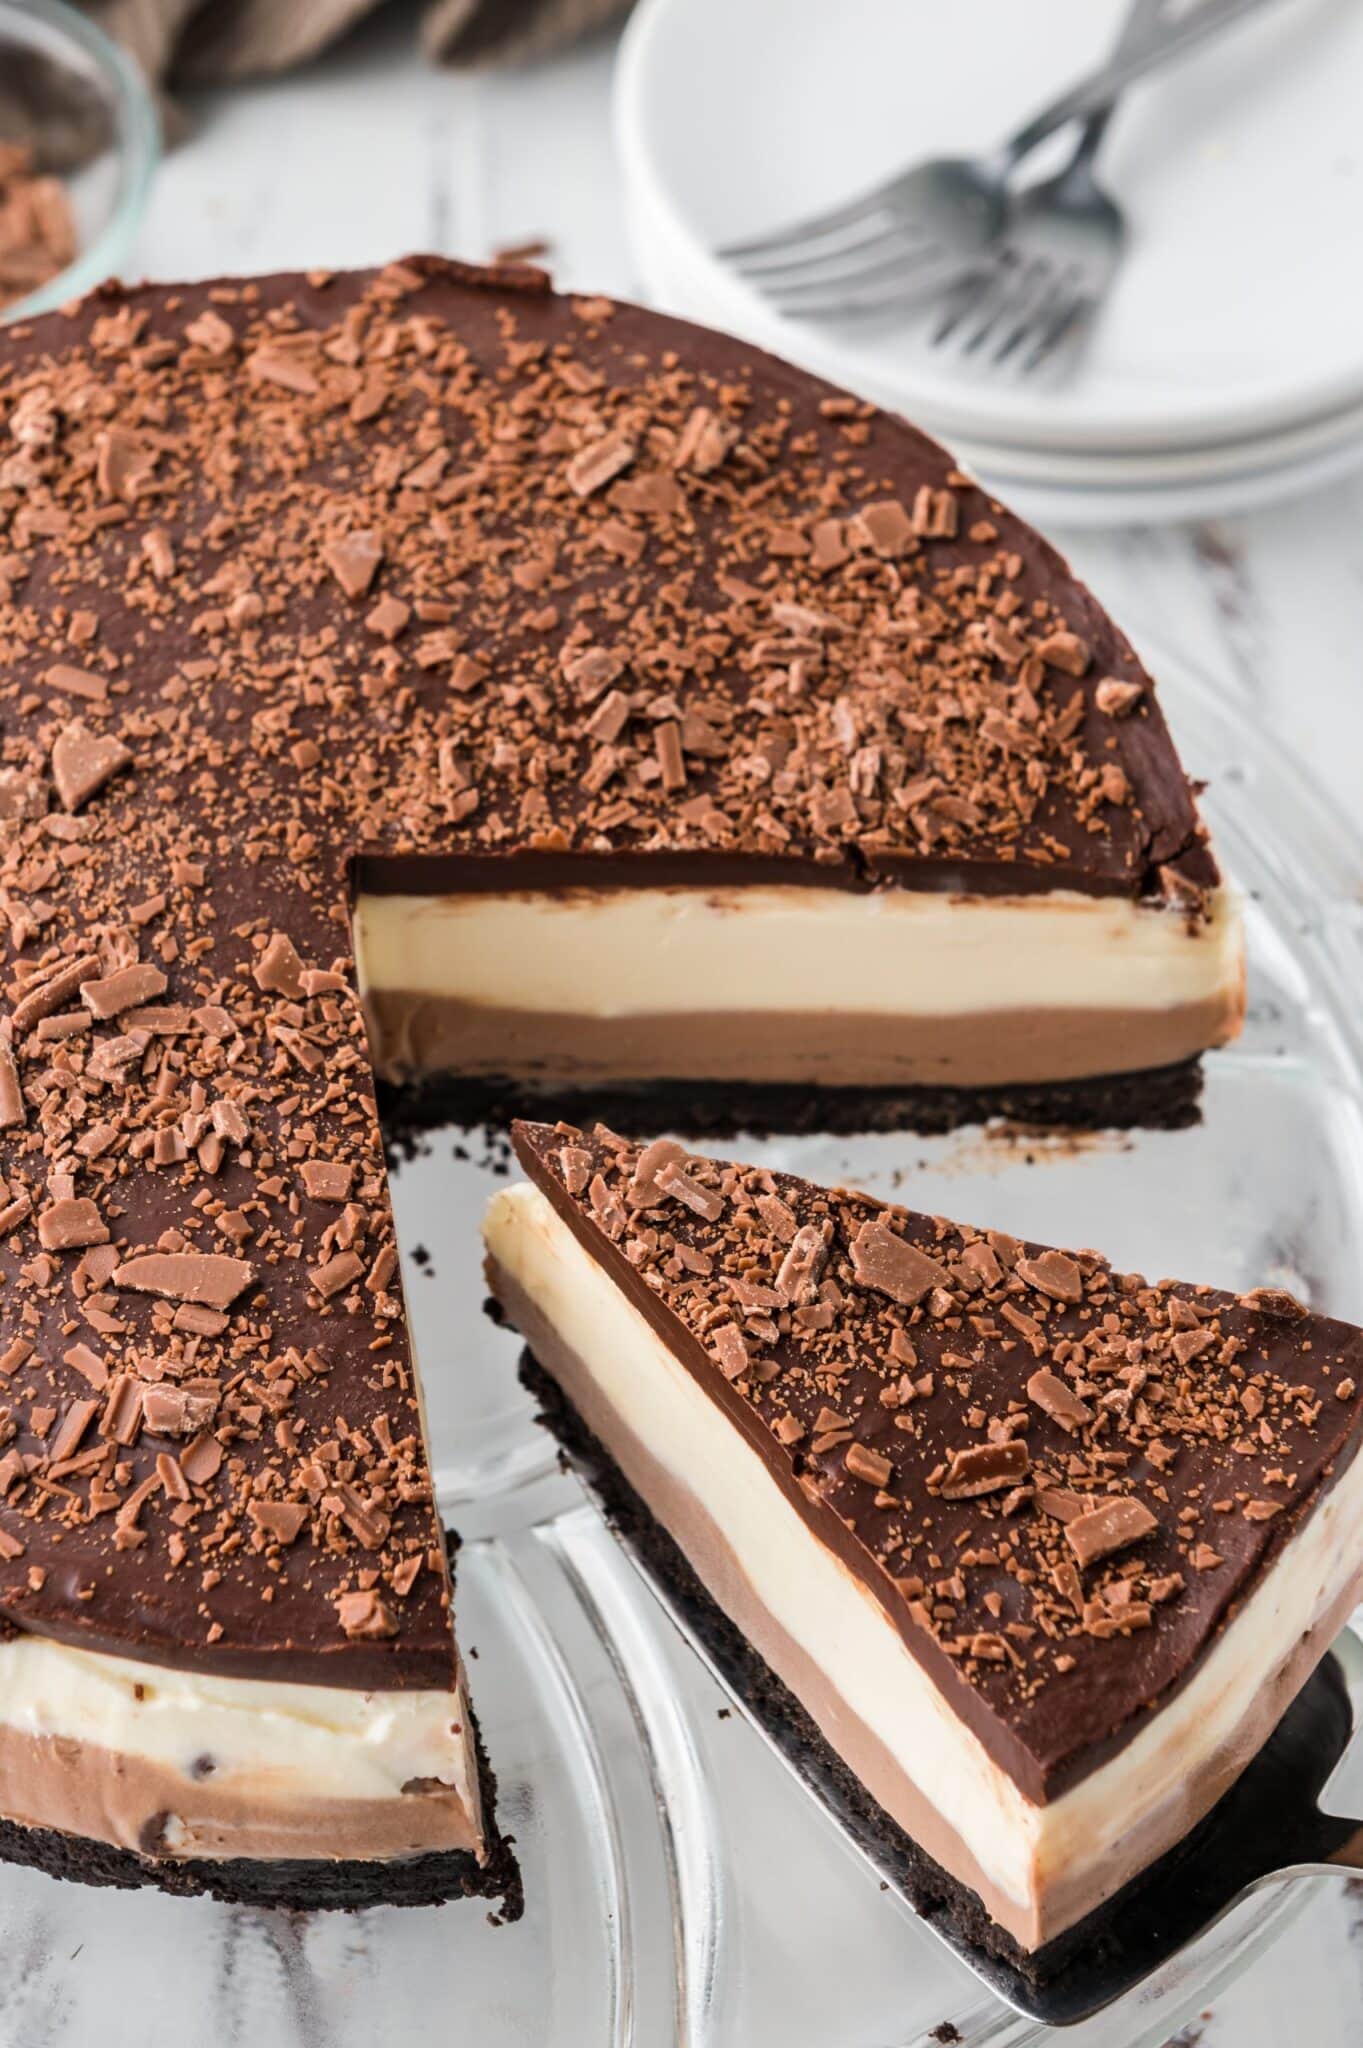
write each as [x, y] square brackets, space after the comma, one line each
[370, 155]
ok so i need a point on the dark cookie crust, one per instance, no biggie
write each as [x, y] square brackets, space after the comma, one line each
[1156, 1099]
[302, 1885]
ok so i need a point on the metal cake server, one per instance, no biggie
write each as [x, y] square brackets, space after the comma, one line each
[1270, 1829]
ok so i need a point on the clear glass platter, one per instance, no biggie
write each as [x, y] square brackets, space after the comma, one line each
[680, 1885]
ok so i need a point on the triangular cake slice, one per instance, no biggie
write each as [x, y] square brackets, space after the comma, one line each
[1026, 1555]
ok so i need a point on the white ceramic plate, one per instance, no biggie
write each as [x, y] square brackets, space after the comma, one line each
[1126, 470]
[1240, 309]
[1051, 506]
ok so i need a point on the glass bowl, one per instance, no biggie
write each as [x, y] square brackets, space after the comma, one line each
[83, 107]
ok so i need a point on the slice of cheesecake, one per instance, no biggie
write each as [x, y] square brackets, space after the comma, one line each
[1021, 1556]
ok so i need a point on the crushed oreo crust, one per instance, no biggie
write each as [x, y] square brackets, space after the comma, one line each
[1058, 1479]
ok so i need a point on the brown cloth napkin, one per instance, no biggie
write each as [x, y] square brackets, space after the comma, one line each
[205, 42]
[209, 42]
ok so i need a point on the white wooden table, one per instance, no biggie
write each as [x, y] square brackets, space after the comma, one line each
[370, 155]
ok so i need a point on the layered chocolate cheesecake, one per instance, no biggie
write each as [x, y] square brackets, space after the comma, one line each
[1022, 1558]
[417, 669]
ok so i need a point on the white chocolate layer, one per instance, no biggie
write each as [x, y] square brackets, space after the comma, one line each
[1043, 1866]
[898, 952]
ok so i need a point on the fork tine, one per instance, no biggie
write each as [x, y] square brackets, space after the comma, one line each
[898, 284]
[795, 233]
[773, 274]
[1050, 291]
[857, 279]
[1007, 286]
[1033, 289]
[1074, 315]
[961, 299]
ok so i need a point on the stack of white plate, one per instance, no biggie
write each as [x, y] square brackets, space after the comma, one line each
[1227, 368]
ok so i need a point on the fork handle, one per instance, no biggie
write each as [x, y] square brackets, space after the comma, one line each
[1096, 91]
[1143, 18]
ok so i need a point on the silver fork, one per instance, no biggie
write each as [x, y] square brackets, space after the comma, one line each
[1061, 247]
[917, 231]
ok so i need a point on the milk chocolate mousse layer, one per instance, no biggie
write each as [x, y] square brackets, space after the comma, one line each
[1035, 1553]
[780, 983]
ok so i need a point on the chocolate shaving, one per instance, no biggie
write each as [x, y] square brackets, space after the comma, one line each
[644, 1189]
[68, 1224]
[279, 971]
[797, 1279]
[283, 1520]
[334, 1275]
[122, 990]
[1117, 699]
[1052, 1273]
[683, 1187]
[364, 1614]
[177, 1411]
[83, 761]
[868, 1465]
[889, 1264]
[202, 1278]
[1059, 1401]
[1115, 1525]
[596, 464]
[327, 1180]
[353, 560]
[729, 1351]
[984, 1468]
[12, 1109]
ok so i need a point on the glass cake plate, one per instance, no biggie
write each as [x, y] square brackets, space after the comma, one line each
[681, 1886]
